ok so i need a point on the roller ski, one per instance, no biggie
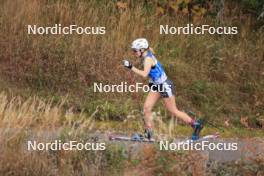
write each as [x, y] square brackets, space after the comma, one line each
[136, 137]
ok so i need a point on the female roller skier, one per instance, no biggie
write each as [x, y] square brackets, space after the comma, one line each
[160, 86]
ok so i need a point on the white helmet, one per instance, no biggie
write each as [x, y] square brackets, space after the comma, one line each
[140, 43]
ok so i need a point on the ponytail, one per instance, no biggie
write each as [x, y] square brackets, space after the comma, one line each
[151, 50]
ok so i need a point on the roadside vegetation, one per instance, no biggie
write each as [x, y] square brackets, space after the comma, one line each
[219, 77]
[46, 121]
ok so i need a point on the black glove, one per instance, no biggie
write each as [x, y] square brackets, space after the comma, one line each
[127, 64]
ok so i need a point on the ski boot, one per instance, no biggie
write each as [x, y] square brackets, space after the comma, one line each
[148, 133]
[197, 126]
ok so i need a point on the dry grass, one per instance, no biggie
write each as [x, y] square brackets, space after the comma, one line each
[44, 121]
[220, 77]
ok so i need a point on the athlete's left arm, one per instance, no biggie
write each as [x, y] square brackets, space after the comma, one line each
[147, 66]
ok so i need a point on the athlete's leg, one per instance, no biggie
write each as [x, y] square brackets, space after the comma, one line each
[150, 101]
[170, 104]
[169, 101]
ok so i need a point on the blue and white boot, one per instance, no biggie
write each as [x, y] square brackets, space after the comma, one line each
[148, 133]
[197, 126]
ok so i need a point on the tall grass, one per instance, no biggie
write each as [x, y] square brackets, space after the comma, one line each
[46, 121]
[218, 76]
[38, 120]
